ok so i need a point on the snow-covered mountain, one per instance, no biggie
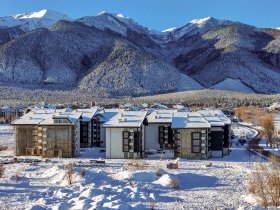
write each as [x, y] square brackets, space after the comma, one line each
[198, 26]
[31, 21]
[112, 55]
[114, 22]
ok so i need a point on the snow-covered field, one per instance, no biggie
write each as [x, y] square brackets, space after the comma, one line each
[43, 185]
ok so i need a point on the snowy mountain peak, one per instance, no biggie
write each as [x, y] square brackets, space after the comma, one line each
[170, 29]
[199, 21]
[46, 13]
[115, 22]
[34, 20]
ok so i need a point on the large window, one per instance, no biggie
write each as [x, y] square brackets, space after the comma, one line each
[165, 137]
[132, 140]
[196, 144]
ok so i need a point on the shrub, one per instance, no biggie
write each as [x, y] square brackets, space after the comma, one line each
[2, 170]
[83, 172]
[17, 176]
[175, 183]
[69, 172]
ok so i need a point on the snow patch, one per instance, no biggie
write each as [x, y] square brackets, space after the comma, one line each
[186, 84]
[232, 85]
[164, 180]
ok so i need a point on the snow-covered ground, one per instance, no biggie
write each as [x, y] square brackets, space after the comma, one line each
[240, 131]
[275, 150]
[43, 185]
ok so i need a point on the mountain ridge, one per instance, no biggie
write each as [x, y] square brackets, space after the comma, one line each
[82, 53]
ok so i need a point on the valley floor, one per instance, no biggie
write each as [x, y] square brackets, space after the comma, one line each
[43, 185]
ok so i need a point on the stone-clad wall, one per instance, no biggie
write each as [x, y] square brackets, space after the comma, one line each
[186, 145]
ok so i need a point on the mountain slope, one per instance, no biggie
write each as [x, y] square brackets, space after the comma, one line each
[72, 54]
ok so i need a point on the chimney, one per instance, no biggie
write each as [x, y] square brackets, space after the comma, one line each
[121, 114]
[30, 118]
[125, 119]
[119, 120]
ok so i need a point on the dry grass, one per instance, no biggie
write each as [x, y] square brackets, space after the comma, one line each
[265, 183]
[3, 148]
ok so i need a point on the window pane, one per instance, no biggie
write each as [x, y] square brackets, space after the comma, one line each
[125, 134]
[125, 141]
[125, 148]
[196, 135]
[196, 149]
[196, 142]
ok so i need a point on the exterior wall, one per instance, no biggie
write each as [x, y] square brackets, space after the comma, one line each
[151, 136]
[58, 142]
[103, 137]
[186, 145]
[85, 140]
[217, 154]
[114, 143]
[23, 139]
[227, 134]
[78, 140]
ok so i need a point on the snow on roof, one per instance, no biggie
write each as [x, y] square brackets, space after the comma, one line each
[126, 119]
[107, 114]
[72, 115]
[46, 116]
[214, 121]
[161, 116]
[189, 120]
[34, 117]
[88, 113]
[216, 113]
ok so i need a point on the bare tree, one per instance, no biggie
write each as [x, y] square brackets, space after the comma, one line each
[267, 124]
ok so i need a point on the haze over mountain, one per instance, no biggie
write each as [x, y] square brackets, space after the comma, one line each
[112, 55]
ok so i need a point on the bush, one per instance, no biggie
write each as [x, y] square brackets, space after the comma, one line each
[17, 176]
[69, 172]
[175, 183]
[2, 170]
[83, 172]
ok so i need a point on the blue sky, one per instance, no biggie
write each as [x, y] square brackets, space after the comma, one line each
[158, 14]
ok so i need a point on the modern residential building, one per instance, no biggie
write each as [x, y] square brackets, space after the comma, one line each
[158, 133]
[48, 133]
[226, 128]
[124, 135]
[87, 127]
[99, 133]
[190, 133]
